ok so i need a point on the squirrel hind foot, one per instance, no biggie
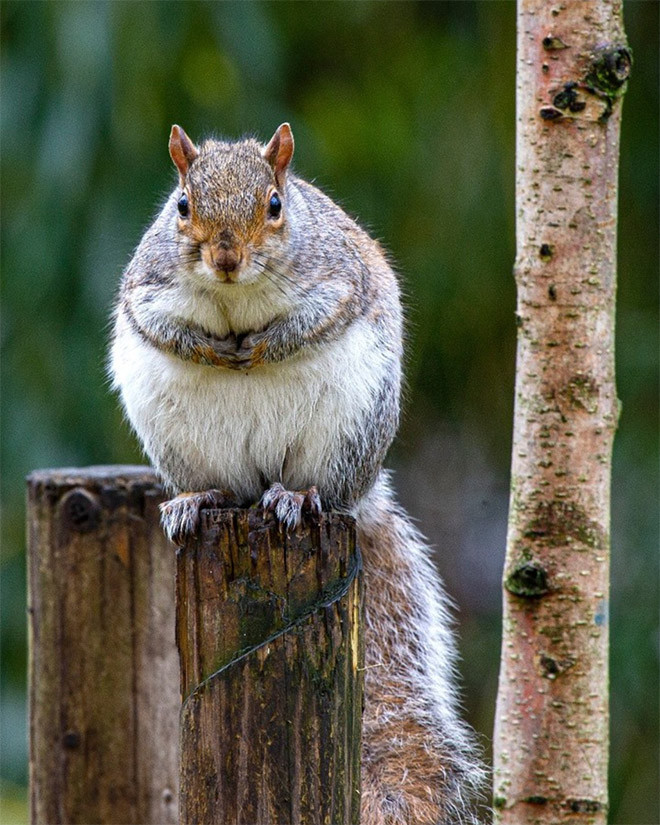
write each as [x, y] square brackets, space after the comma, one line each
[180, 516]
[288, 505]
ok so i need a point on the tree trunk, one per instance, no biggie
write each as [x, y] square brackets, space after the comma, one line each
[104, 698]
[551, 730]
[271, 658]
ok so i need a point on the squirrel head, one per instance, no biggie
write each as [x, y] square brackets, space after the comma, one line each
[232, 201]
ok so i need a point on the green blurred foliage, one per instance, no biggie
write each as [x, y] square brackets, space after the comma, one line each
[404, 113]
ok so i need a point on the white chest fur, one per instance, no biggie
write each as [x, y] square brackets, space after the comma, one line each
[206, 427]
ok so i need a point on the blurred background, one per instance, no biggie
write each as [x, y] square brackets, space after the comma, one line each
[404, 113]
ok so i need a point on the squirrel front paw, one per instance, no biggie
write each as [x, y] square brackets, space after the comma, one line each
[179, 517]
[289, 505]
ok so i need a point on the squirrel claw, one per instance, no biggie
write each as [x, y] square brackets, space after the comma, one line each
[288, 505]
[312, 502]
[179, 517]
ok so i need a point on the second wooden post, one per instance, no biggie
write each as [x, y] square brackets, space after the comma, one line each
[268, 628]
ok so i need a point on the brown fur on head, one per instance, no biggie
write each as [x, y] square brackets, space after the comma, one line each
[232, 195]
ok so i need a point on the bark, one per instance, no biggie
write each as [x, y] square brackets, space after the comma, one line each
[551, 731]
[271, 657]
[104, 697]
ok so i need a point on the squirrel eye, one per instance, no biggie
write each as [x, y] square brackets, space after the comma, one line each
[274, 205]
[182, 205]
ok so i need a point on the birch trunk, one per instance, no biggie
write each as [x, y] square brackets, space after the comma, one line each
[551, 729]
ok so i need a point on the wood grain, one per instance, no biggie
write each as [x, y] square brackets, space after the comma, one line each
[104, 697]
[271, 656]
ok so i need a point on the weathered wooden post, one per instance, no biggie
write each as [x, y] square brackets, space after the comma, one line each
[268, 629]
[104, 699]
[271, 655]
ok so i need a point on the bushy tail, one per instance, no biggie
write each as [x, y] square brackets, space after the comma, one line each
[420, 761]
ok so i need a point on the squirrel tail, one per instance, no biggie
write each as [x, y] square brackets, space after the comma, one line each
[420, 762]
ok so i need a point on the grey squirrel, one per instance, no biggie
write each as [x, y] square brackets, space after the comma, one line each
[257, 350]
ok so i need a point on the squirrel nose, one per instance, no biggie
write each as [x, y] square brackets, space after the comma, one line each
[224, 259]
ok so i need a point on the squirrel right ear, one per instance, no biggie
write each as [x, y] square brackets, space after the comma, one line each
[280, 150]
[182, 150]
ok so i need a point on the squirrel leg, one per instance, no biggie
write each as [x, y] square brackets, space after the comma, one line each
[289, 505]
[180, 516]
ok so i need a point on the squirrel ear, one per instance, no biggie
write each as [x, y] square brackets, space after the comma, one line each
[182, 150]
[280, 150]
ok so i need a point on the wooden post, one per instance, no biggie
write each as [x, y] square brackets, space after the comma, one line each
[104, 697]
[271, 655]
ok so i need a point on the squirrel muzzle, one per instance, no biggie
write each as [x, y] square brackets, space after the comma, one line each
[224, 260]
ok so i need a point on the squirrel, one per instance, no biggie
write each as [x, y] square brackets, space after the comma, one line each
[257, 351]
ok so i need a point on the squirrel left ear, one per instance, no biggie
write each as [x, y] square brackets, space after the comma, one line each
[280, 151]
[182, 150]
